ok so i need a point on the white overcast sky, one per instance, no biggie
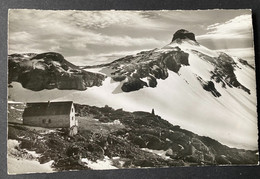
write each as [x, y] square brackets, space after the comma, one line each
[94, 37]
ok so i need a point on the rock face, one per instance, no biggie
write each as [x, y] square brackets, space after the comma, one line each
[244, 62]
[224, 70]
[183, 34]
[209, 86]
[146, 130]
[143, 69]
[48, 71]
[133, 84]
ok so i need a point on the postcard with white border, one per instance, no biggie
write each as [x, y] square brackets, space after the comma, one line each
[94, 90]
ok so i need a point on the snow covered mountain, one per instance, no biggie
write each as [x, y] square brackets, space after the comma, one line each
[207, 92]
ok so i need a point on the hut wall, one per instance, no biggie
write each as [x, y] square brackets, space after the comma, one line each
[73, 120]
[53, 121]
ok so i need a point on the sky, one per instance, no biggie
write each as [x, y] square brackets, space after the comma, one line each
[96, 37]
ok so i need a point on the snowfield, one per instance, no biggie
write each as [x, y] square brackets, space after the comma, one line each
[16, 165]
[188, 45]
[105, 164]
[231, 119]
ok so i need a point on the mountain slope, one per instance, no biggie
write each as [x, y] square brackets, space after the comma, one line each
[48, 71]
[207, 92]
[127, 140]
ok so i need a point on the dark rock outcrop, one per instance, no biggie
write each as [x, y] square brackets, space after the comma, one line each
[35, 79]
[209, 86]
[171, 64]
[150, 65]
[48, 71]
[49, 57]
[133, 84]
[244, 62]
[224, 70]
[183, 34]
[152, 81]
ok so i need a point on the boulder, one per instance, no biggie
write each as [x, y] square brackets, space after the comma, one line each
[143, 163]
[152, 81]
[139, 141]
[221, 159]
[44, 159]
[153, 142]
[133, 85]
[169, 152]
[118, 77]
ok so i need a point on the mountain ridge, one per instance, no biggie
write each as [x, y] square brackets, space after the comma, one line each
[48, 71]
[197, 93]
[130, 70]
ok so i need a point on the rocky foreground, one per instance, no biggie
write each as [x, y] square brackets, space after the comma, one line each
[128, 140]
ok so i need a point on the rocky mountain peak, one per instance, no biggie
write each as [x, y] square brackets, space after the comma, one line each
[183, 34]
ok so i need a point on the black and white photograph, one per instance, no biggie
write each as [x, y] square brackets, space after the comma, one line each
[114, 89]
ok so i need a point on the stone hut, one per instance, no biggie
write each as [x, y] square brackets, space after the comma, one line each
[51, 115]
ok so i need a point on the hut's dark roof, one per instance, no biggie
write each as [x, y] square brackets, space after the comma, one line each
[47, 108]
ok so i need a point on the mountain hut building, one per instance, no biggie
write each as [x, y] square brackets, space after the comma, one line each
[51, 115]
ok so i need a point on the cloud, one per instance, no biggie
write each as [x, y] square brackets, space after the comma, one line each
[239, 27]
[105, 40]
[94, 59]
[87, 34]
[132, 19]
[103, 19]
[73, 32]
